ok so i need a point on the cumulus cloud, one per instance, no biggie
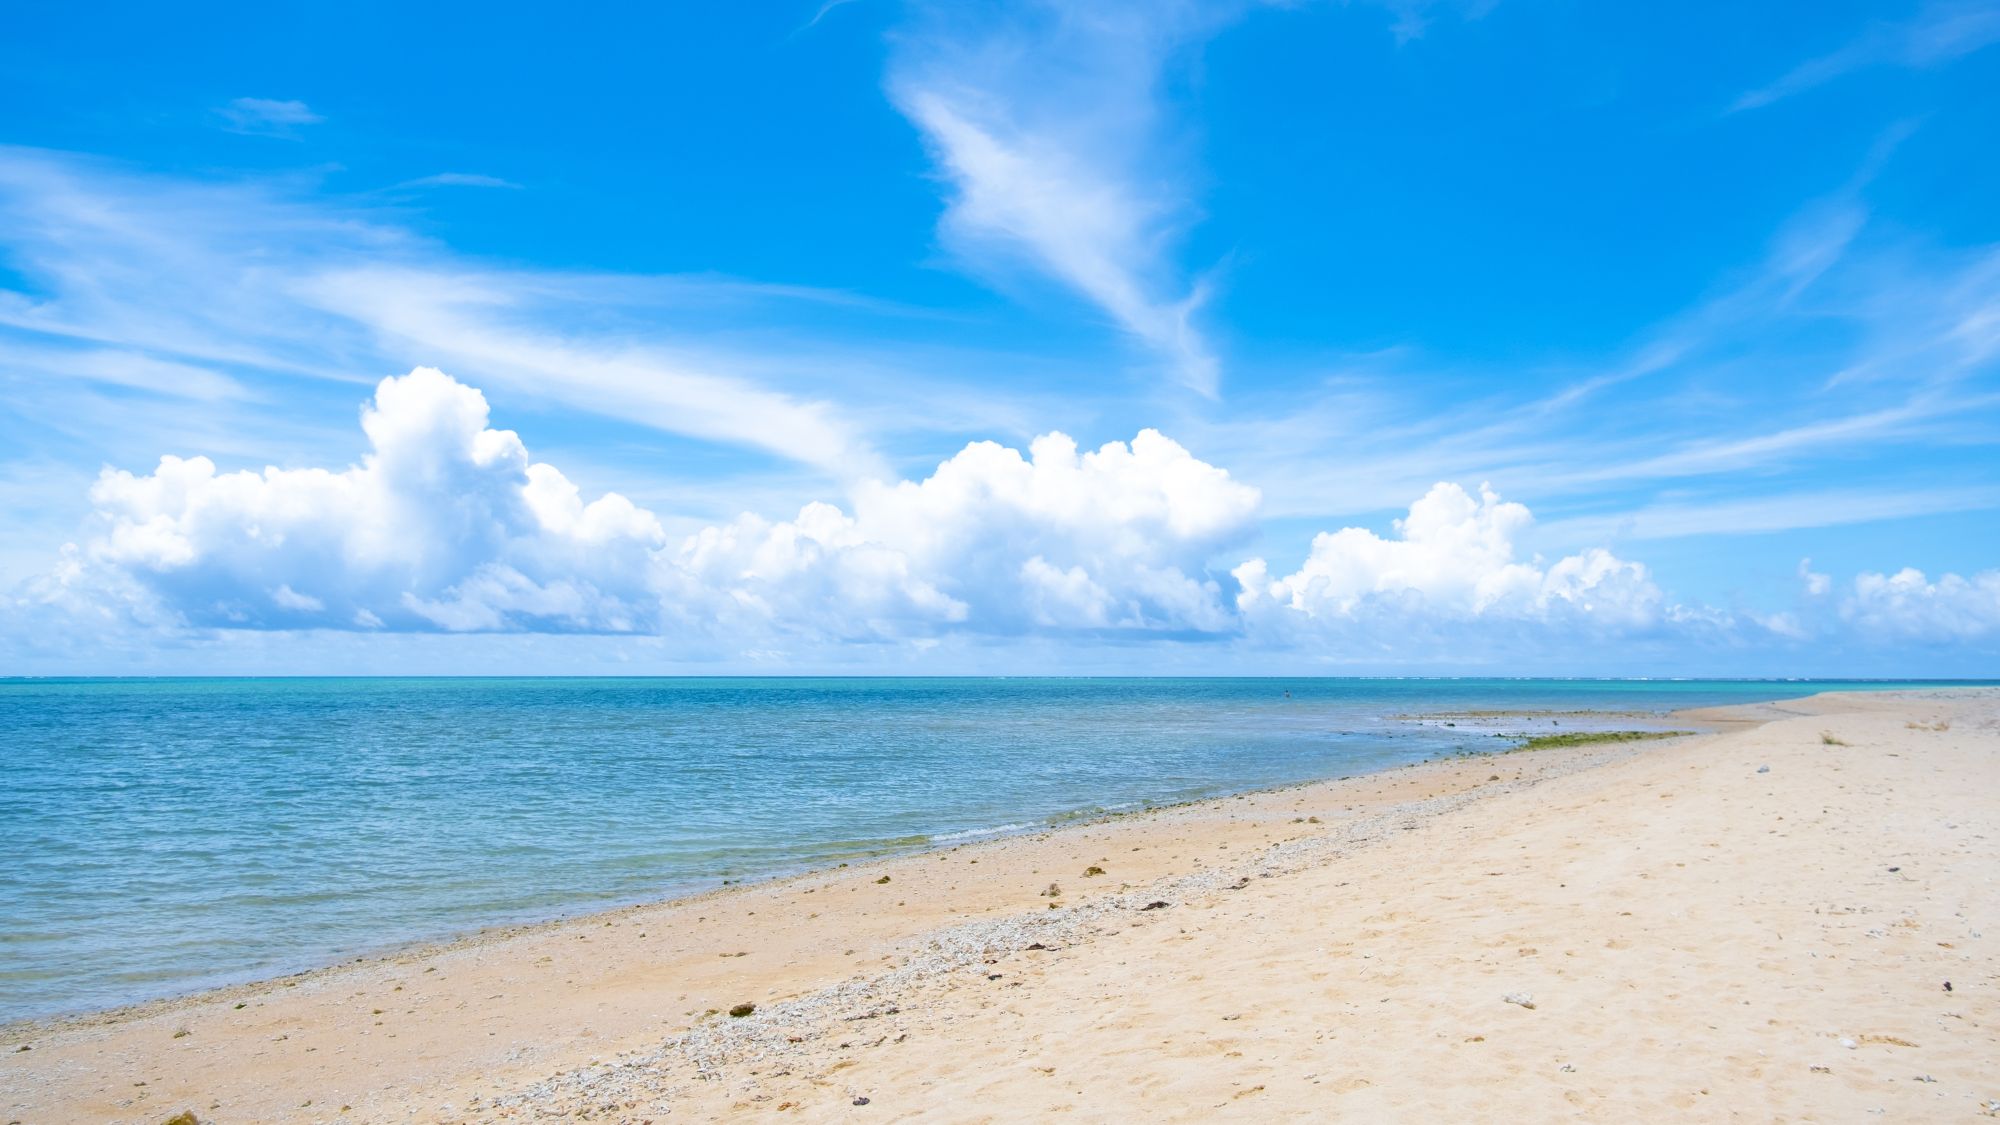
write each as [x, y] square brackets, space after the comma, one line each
[446, 524]
[1452, 559]
[1113, 539]
[1907, 605]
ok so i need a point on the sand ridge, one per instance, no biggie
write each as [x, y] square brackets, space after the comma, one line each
[1694, 936]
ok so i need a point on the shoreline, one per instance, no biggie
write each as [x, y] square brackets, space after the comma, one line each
[518, 1020]
[14, 1031]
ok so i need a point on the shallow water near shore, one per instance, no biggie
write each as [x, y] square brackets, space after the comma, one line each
[168, 835]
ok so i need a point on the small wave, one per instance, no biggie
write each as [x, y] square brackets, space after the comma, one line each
[978, 833]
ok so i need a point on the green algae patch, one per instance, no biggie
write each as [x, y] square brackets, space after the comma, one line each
[1591, 737]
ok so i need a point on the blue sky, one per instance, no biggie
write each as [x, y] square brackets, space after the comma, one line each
[1394, 337]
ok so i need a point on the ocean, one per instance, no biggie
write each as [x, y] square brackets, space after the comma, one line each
[166, 835]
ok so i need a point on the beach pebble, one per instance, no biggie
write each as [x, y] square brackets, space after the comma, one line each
[1520, 998]
[1763, 769]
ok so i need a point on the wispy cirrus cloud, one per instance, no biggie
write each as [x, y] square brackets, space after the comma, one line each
[471, 322]
[1051, 128]
[1784, 511]
[1938, 34]
[117, 368]
[459, 179]
[825, 10]
[267, 117]
[1848, 343]
[200, 287]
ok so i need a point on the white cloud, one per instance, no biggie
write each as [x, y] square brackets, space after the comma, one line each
[287, 598]
[1050, 132]
[1816, 585]
[1056, 127]
[1112, 539]
[1452, 560]
[1848, 342]
[1940, 33]
[1782, 512]
[113, 367]
[447, 524]
[825, 9]
[173, 276]
[1907, 605]
[267, 117]
[459, 179]
[472, 321]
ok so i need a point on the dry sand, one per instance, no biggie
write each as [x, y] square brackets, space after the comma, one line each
[1698, 938]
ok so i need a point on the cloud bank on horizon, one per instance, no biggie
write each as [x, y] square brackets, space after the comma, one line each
[446, 525]
[1079, 336]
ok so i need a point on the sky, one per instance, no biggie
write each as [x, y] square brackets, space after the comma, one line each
[1515, 337]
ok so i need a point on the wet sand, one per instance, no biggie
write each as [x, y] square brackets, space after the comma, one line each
[1696, 938]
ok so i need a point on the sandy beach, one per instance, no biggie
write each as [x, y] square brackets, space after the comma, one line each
[1782, 919]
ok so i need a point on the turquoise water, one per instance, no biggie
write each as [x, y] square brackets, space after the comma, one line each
[166, 835]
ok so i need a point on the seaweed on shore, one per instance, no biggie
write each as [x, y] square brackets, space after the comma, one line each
[1587, 737]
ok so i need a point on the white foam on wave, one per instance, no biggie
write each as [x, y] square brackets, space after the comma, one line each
[978, 833]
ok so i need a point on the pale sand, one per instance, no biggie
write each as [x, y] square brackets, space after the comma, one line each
[1699, 940]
